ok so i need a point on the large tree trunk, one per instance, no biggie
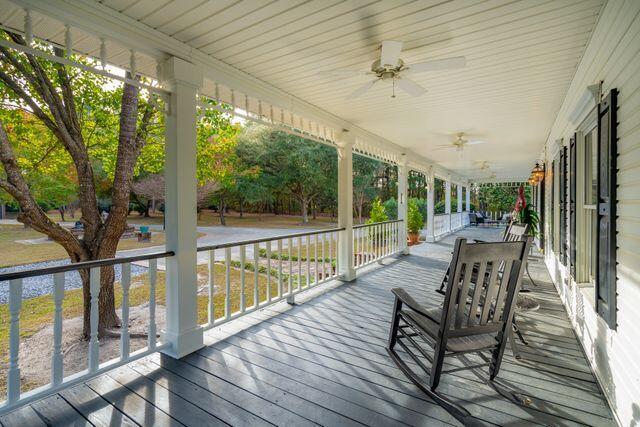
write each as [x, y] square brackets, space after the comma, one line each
[221, 211]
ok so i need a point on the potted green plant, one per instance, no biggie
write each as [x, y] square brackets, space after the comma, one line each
[415, 221]
[525, 214]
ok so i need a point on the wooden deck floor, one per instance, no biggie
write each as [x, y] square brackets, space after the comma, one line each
[323, 362]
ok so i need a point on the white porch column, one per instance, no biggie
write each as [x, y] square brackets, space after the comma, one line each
[468, 201]
[182, 331]
[403, 172]
[459, 198]
[447, 200]
[431, 183]
[345, 207]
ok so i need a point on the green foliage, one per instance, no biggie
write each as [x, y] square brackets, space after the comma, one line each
[422, 205]
[391, 208]
[439, 207]
[415, 220]
[497, 198]
[377, 213]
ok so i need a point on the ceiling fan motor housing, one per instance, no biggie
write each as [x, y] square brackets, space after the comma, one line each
[387, 72]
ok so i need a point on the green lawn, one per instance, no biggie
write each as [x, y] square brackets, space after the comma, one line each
[12, 253]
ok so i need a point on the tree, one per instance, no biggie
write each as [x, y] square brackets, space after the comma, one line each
[74, 106]
[151, 190]
[291, 165]
[365, 172]
[217, 164]
[497, 198]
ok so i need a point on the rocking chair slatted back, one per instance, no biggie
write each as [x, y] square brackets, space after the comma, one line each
[484, 277]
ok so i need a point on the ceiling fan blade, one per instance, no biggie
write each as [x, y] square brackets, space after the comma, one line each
[411, 87]
[341, 73]
[390, 53]
[438, 64]
[476, 142]
[362, 89]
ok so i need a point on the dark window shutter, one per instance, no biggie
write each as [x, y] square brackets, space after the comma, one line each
[541, 212]
[572, 206]
[607, 171]
[552, 235]
[563, 206]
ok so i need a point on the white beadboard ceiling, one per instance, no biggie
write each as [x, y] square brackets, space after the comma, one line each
[521, 57]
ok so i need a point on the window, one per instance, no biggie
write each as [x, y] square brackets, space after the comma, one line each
[587, 239]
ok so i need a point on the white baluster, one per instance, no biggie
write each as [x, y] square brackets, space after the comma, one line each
[212, 269]
[279, 268]
[124, 329]
[57, 359]
[315, 257]
[15, 304]
[308, 278]
[269, 271]
[256, 267]
[227, 284]
[324, 266]
[299, 262]
[153, 277]
[242, 278]
[337, 257]
[94, 290]
[68, 43]
[103, 53]
[289, 248]
[28, 28]
[330, 254]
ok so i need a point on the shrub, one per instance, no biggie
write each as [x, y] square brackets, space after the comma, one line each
[377, 213]
[415, 220]
[391, 208]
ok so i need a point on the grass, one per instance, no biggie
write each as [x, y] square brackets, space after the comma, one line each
[210, 218]
[12, 253]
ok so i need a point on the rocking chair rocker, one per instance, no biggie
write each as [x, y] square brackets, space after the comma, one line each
[475, 317]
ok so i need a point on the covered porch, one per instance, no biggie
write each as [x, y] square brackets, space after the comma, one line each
[323, 361]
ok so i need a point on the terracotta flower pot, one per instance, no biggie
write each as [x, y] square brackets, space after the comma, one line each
[413, 238]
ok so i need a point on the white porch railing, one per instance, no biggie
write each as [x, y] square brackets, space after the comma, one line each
[15, 396]
[456, 221]
[441, 224]
[264, 271]
[465, 218]
[372, 242]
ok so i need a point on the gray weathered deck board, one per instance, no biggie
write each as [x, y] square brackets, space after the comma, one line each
[324, 362]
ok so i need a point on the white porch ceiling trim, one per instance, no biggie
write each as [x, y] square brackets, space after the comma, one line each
[104, 22]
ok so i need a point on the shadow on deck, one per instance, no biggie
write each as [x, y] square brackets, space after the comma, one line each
[323, 361]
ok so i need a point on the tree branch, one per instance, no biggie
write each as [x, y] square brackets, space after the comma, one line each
[32, 214]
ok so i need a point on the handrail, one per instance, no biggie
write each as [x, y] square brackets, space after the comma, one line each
[391, 221]
[83, 265]
[267, 239]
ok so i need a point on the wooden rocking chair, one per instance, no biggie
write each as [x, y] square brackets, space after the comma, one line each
[512, 233]
[476, 314]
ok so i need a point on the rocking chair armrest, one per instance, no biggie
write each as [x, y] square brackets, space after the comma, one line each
[408, 300]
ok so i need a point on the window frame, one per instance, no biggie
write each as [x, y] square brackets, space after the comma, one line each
[583, 245]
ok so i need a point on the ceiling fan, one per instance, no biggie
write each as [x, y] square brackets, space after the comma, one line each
[460, 142]
[391, 68]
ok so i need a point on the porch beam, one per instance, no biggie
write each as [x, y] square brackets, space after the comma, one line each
[182, 332]
[345, 143]
[104, 22]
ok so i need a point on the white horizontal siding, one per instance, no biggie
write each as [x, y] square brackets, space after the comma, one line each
[613, 57]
